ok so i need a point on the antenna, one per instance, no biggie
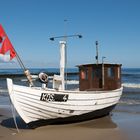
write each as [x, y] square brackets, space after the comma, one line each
[103, 72]
[66, 36]
[96, 57]
[65, 29]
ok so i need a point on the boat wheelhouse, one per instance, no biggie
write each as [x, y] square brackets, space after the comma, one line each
[99, 76]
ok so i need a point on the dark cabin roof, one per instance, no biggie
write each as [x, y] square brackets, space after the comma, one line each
[107, 64]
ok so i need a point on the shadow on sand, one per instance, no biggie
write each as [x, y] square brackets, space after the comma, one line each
[100, 123]
[9, 123]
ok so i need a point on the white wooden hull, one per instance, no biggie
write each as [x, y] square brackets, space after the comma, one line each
[34, 104]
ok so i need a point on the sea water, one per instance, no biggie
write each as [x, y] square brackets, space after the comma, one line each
[131, 88]
[131, 79]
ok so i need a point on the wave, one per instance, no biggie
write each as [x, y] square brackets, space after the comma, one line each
[3, 91]
[130, 75]
[72, 82]
[131, 85]
[129, 102]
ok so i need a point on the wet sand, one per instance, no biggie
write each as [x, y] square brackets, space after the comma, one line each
[98, 129]
[120, 125]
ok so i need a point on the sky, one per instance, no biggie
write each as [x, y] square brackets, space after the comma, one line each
[29, 24]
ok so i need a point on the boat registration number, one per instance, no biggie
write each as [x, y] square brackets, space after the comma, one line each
[54, 97]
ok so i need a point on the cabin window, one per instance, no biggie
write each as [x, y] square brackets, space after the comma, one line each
[111, 72]
[84, 74]
[98, 73]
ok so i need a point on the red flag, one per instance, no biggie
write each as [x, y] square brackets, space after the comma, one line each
[2, 33]
[6, 44]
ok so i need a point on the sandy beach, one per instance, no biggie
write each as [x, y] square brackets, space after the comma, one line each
[89, 130]
[120, 125]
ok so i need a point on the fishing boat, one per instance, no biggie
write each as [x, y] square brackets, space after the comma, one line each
[98, 93]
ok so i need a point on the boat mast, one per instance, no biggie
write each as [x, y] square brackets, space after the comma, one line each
[103, 73]
[63, 56]
[65, 49]
[62, 62]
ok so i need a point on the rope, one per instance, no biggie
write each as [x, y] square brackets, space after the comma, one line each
[26, 72]
[13, 114]
[19, 60]
[14, 117]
